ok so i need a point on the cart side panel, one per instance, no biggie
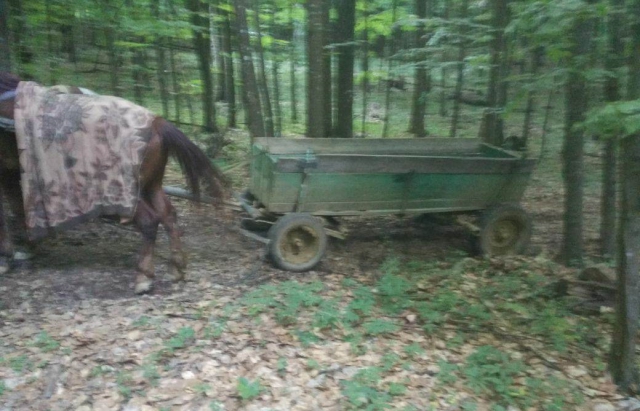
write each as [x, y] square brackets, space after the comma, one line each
[343, 184]
[442, 192]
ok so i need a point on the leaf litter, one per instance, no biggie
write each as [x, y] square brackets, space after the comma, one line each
[426, 330]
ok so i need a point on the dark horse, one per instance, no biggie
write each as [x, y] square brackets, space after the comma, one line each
[153, 206]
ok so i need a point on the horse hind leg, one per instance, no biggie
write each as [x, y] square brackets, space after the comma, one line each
[146, 220]
[168, 216]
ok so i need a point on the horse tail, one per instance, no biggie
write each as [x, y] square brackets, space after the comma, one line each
[195, 165]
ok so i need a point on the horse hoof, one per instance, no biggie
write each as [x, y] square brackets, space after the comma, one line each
[143, 286]
[4, 267]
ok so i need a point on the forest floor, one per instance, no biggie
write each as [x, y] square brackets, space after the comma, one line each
[402, 314]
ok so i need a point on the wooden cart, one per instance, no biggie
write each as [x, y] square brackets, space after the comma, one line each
[297, 185]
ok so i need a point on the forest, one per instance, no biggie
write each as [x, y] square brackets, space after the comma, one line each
[556, 80]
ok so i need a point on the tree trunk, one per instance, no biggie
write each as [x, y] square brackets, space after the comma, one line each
[218, 31]
[491, 126]
[292, 67]
[614, 62]
[419, 101]
[5, 47]
[263, 84]
[623, 358]
[161, 61]
[462, 51]
[176, 84]
[53, 66]
[137, 63]
[365, 66]
[536, 61]
[67, 34]
[250, 92]
[346, 39]
[573, 148]
[318, 92]
[110, 38]
[200, 22]
[443, 69]
[391, 51]
[22, 52]
[275, 66]
[230, 93]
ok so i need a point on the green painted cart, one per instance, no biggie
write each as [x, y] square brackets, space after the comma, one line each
[299, 186]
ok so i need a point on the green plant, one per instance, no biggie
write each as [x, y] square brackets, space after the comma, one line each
[313, 364]
[214, 330]
[99, 370]
[469, 406]
[123, 380]
[247, 389]
[394, 291]
[202, 388]
[447, 374]
[492, 372]
[413, 349]
[45, 342]
[216, 406]
[362, 391]
[150, 373]
[20, 363]
[390, 360]
[281, 366]
[184, 337]
[141, 321]
[379, 326]
[3, 388]
[397, 389]
[361, 305]
[306, 338]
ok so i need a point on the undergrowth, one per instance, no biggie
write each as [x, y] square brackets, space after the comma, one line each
[456, 300]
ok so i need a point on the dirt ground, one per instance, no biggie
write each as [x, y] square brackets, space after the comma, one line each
[78, 290]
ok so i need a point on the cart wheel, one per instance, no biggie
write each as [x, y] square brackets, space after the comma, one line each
[298, 242]
[504, 230]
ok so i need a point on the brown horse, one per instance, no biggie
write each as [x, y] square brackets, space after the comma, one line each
[153, 206]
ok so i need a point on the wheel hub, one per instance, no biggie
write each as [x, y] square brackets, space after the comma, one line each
[299, 245]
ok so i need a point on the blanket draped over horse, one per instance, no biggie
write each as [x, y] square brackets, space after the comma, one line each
[80, 155]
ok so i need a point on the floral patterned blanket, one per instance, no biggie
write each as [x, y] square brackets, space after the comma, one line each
[80, 155]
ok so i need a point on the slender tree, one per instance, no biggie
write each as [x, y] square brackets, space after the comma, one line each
[419, 101]
[614, 62]
[263, 84]
[275, 67]
[218, 44]
[623, 357]
[391, 49]
[443, 68]
[318, 91]
[230, 93]
[251, 95]
[175, 84]
[5, 48]
[292, 67]
[161, 61]
[536, 61]
[200, 21]
[365, 65]
[462, 52]
[573, 147]
[491, 126]
[346, 56]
